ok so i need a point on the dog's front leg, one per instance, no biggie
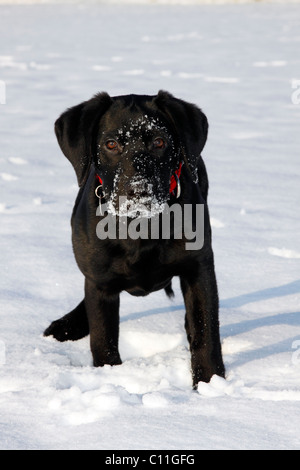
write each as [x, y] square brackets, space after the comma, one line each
[202, 323]
[103, 317]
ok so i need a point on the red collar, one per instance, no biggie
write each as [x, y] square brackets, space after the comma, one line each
[99, 179]
[174, 181]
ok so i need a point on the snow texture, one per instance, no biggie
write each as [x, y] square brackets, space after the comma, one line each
[240, 64]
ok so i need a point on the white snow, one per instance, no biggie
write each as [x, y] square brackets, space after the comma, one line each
[283, 252]
[237, 62]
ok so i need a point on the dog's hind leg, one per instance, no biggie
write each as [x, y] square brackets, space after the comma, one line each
[70, 327]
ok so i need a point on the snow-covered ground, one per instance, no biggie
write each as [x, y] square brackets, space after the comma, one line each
[241, 65]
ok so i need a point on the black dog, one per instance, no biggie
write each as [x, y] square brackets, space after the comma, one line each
[147, 149]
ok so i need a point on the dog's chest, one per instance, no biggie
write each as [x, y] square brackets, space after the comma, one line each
[142, 273]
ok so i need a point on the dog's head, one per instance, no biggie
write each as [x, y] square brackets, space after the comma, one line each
[136, 143]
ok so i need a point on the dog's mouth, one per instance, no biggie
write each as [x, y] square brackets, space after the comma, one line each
[138, 189]
[136, 198]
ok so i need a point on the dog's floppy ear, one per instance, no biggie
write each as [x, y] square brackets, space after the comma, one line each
[190, 124]
[75, 131]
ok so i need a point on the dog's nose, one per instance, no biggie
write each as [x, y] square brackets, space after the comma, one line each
[133, 193]
[136, 189]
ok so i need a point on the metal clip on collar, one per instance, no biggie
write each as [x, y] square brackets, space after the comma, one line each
[100, 195]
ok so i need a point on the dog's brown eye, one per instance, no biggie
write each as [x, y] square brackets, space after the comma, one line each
[159, 143]
[111, 145]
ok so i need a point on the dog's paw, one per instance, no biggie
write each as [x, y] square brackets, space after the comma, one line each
[66, 330]
[111, 358]
[58, 330]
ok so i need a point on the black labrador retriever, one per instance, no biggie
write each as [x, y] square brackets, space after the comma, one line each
[130, 153]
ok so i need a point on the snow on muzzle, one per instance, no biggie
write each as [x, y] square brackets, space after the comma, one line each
[137, 197]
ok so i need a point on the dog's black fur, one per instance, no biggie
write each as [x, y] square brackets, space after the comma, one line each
[131, 125]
